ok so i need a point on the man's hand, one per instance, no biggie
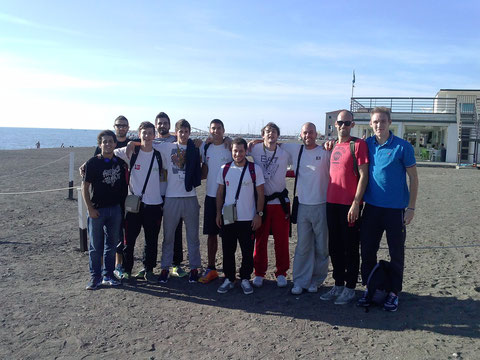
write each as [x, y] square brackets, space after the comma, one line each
[131, 148]
[227, 142]
[197, 142]
[252, 143]
[408, 217]
[328, 145]
[93, 213]
[353, 212]
[256, 222]
[81, 170]
[218, 220]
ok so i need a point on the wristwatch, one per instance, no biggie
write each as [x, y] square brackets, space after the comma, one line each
[260, 213]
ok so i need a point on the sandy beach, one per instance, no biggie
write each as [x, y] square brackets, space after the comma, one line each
[46, 313]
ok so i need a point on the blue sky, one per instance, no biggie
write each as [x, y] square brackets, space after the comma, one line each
[80, 64]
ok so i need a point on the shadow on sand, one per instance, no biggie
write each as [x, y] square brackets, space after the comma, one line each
[438, 314]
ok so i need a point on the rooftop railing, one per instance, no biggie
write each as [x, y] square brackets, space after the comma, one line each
[421, 105]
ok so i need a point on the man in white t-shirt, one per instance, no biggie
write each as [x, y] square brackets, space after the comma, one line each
[150, 213]
[273, 161]
[214, 155]
[240, 184]
[162, 124]
[310, 264]
[182, 161]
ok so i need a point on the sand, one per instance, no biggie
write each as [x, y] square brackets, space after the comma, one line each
[46, 313]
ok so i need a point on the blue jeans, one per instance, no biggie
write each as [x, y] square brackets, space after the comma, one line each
[104, 232]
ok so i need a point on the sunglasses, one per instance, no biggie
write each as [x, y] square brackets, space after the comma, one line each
[346, 123]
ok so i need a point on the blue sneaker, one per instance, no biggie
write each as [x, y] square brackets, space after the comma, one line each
[391, 304]
[110, 281]
[93, 283]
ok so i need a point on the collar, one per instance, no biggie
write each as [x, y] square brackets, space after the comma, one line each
[389, 140]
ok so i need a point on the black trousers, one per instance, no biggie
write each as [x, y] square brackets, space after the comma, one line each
[150, 217]
[177, 245]
[240, 231]
[343, 245]
[375, 221]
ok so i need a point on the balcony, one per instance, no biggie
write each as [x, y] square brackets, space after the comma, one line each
[420, 105]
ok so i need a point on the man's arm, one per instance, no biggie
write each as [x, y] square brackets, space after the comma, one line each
[220, 190]
[92, 212]
[413, 180]
[361, 186]
[257, 220]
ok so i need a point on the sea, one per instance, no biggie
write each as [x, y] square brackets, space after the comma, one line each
[13, 138]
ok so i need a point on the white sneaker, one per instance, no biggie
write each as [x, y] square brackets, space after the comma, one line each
[345, 297]
[257, 281]
[332, 293]
[313, 288]
[281, 281]
[227, 285]
[296, 290]
[246, 287]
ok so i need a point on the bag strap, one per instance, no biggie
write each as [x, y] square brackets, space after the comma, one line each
[296, 171]
[352, 150]
[133, 159]
[240, 182]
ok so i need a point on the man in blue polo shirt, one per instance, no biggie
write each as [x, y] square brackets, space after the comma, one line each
[390, 205]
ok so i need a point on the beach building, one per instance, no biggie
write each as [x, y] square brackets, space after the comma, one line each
[441, 128]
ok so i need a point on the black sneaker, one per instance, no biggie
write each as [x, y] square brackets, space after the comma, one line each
[364, 301]
[391, 304]
[163, 277]
[193, 276]
[93, 283]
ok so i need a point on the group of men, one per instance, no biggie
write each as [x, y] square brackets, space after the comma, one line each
[246, 202]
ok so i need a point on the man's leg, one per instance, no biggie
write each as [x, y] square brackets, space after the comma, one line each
[260, 257]
[178, 246]
[190, 214]
[303, 259]
[211, 229]
[352, 254]
[229, 246]
[121, 240]
[336, 242]
[246, 240]
[320, 229]
[370, 236]
[113, 219]
[171, 216]
[96, 245]
[280, 230]
[396, 235]
[151, 222]
[133, 226]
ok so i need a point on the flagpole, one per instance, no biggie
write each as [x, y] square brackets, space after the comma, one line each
[353, 82]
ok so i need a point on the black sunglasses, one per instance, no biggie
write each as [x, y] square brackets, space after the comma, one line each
[346, 123]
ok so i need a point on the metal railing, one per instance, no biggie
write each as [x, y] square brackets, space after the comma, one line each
[420, 105]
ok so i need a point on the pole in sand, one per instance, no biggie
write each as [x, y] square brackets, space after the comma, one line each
[82, 221]
[70, 176]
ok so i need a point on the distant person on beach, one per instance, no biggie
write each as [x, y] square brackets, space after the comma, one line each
[38, 144]
[162, 124]
[390, 204]
[106, 174]
[214, 155]
[145, 165]
[310, 263]
[182, 161]
[273, 161]
[240, 184]
[348, 180]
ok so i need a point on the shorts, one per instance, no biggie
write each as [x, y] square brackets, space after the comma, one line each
[209, 216]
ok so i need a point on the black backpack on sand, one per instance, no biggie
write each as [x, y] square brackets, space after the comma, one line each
[379, 283]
